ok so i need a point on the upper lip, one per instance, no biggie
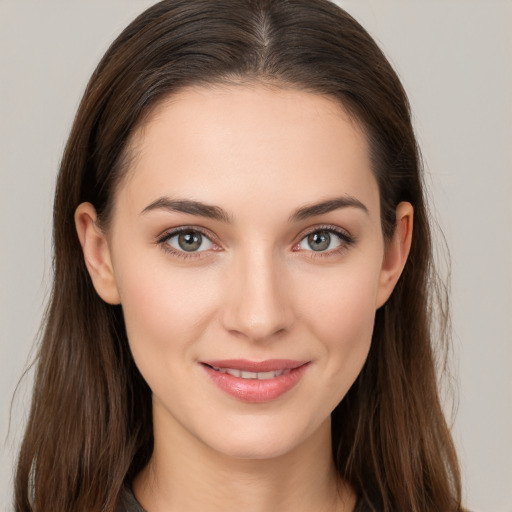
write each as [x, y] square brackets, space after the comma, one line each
[246, 365]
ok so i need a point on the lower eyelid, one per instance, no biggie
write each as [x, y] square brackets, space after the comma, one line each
[162, 242]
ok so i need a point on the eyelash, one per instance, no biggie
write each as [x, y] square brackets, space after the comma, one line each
[162, 241]
[346, 240]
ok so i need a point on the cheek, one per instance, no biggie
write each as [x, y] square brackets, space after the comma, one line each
[349, 312]
[341, 314]
[165, 312]
[342, 303]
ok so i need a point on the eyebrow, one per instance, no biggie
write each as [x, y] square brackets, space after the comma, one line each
[217, 213]
[305, 212]
[190, 207]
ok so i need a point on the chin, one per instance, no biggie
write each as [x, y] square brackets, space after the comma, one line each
[260, 441]
[260, 449]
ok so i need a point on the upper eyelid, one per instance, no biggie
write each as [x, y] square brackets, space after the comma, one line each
[169, 233]
[326, 227]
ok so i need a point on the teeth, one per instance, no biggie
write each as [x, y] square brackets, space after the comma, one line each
[252, 375]
[268, 375]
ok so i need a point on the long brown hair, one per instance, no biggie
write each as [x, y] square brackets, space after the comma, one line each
[90, 425]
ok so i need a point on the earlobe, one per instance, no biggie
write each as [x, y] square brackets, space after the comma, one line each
[396, 252]
[96, 253]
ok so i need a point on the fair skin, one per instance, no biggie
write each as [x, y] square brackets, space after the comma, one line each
[261, 283]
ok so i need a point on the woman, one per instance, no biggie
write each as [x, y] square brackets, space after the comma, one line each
[241, 314]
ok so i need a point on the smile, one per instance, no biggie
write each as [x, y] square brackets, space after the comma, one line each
[255, 382]
[252, 375]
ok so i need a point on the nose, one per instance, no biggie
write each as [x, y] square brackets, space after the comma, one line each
[257, 305]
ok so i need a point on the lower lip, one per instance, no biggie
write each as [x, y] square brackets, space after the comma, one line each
[256, 390]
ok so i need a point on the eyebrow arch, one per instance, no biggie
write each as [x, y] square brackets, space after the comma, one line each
[190, 207]
[217, 213]
[327, 206]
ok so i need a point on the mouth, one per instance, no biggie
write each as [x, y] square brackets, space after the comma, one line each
[251, 375]
[255, 381]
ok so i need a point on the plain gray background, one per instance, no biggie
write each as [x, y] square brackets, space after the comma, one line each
[455, 60]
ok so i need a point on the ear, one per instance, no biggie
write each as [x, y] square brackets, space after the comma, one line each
[396, 252]
[96, 253]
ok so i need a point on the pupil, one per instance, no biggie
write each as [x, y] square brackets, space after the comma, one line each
[189, 241]
[319, 241]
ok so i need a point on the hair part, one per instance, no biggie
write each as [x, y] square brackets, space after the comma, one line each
[90, 405]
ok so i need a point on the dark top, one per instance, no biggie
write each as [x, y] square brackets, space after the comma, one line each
[128, 503]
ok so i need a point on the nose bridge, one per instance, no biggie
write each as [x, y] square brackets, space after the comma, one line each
[257, 305]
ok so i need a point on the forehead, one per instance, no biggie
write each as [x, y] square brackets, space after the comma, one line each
[249, 145]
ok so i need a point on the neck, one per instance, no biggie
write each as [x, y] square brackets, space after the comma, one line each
[186, 474]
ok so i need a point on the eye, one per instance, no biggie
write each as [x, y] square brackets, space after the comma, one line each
[324, 240]
[187, 240]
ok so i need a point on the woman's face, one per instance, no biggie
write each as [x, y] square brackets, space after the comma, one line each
[246, 237]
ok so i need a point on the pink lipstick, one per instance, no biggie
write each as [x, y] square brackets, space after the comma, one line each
[255, 381]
